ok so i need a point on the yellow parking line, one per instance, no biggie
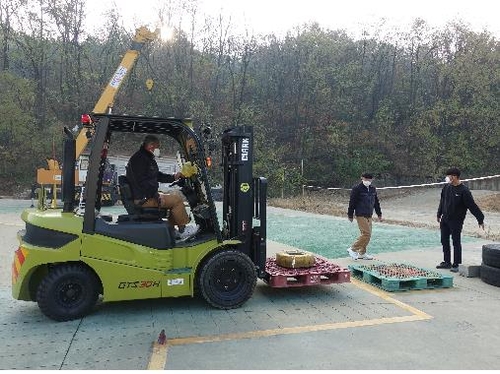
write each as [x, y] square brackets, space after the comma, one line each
[384, 295]
[159, 356]
[290, 330]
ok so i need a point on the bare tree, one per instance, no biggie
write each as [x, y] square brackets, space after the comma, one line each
[7, 10]
[68, 16]
[33, 40]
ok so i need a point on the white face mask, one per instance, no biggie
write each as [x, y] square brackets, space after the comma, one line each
[447, 179]
[367, 183]
[156, 152]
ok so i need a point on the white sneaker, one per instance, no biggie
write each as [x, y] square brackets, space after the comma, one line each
[365, 256]
[188, 232]
[354, 255]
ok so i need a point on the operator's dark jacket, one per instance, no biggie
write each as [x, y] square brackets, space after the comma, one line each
[143, 175]
[455, 200]
[362, 202]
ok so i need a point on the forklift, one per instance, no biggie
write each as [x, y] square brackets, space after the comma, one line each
[69, 258]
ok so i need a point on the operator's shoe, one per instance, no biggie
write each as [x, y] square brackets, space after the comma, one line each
[188, 232]
[444, 265]
[454, 268]
[354, 255]
[365, 256]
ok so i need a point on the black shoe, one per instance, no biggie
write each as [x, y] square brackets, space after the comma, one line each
[444, 265]
[454, 268]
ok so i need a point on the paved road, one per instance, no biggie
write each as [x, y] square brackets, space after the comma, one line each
[340, 326]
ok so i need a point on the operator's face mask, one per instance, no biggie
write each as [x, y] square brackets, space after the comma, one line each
[449, 179]
[367, 183]
[156, 152]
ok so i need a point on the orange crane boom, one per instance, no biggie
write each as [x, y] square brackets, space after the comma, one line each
[52, 175]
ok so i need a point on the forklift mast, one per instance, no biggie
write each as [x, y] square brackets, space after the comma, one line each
[244, 197]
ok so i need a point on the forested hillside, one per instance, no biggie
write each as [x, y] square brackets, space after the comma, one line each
[325, 107]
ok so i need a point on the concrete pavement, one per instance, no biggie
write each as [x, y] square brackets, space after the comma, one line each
[357, 326]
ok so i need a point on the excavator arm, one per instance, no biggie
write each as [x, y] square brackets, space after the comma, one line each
[52, 175]
[105, 103]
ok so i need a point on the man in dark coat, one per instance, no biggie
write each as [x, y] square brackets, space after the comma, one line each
[456, 198]
[144, 175]
[362, 202]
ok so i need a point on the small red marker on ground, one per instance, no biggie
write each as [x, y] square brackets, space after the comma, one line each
[162, 338]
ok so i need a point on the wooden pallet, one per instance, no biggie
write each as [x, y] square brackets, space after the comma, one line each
[426, 279]
[323, 272]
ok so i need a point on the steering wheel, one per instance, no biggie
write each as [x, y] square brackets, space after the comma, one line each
[181, 182]
[186, 190]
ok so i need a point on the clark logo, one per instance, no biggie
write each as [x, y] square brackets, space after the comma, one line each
[244, 187]
[245, 149]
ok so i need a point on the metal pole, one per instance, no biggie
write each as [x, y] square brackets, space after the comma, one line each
[302, 175]
[283, 185]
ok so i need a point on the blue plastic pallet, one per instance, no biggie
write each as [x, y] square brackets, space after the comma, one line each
[378, 275]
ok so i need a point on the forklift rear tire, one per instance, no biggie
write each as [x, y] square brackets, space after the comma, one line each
[227, 279]
[295, 259]
[68, 292]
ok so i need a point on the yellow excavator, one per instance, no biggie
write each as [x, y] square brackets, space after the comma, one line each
[51, 176]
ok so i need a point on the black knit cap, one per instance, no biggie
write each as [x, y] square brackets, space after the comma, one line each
[453, 171]
[367, 175]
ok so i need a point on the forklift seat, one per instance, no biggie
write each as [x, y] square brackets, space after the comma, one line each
[137, 212]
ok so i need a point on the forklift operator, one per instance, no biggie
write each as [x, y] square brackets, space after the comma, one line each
[144, 175]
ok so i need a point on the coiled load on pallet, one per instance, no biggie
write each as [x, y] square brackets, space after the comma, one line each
[294, 259]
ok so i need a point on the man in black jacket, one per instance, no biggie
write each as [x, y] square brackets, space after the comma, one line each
[456, 198]
[362, 202]
[144, 175]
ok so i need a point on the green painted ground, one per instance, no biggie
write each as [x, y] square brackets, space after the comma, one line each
[331, 236]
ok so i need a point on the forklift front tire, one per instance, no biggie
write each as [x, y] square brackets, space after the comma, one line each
[68, 292]
[227, 279]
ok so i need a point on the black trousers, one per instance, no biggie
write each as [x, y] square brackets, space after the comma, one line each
[453, 229]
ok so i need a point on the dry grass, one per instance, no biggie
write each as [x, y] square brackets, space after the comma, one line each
[311, 204]
[330, 202]
[489, 203]
[335, 203]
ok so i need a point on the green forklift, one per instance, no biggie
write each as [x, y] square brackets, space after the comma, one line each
[70, 258]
